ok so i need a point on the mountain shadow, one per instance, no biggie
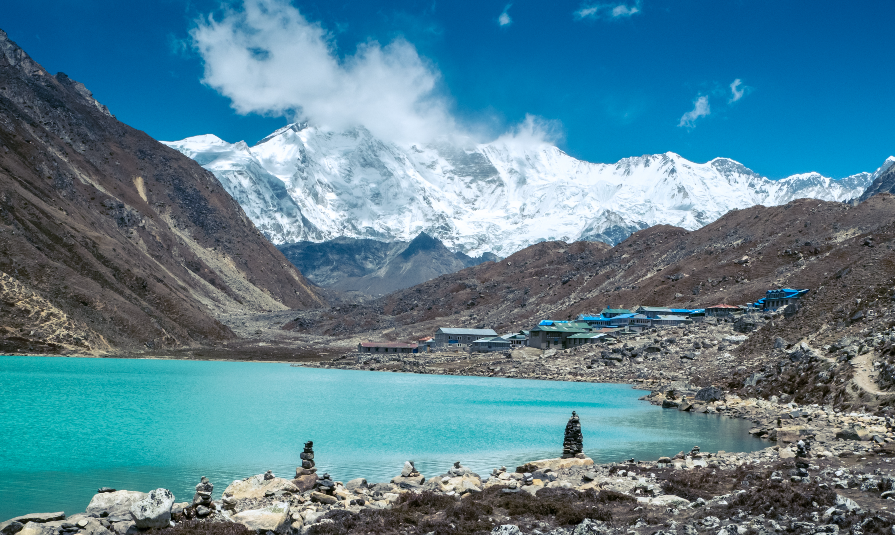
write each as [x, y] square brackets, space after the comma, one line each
[376, 268]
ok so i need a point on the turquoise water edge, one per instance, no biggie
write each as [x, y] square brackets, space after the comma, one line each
[71, 425]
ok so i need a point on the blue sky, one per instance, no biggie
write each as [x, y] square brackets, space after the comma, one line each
[606, 80]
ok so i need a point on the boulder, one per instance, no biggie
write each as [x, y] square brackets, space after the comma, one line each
[667, 500]
[786, 453]
[153, 511]
[409, 469]
[39, 518]
[11, 527]
[559, 464]
[273, 519]
[355, 484]
[323, 498]
[710, 394]
[412, 481]
[114, 505]
[305, 483]
[125, 528]
[506, 529]
[93, 527]
[853, 433]
[257, 487]
[787, 435]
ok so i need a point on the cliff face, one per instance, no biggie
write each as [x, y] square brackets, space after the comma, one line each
[883, 181]
[374, 267]
[109, 239]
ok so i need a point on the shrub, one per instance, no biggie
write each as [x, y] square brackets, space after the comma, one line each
[777, 498]
[196, 527]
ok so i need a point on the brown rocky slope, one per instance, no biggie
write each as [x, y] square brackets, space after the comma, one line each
[807, 243]
[109, 239]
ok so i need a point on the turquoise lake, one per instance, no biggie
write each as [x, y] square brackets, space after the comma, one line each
[71, 425]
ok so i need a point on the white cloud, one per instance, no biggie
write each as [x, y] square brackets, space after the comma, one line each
[608, 11]
[736, 93]
[533, 131]
[700, 109]
[504, 18]
[269, 59]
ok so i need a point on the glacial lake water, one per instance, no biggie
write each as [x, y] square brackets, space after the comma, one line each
[71, 425]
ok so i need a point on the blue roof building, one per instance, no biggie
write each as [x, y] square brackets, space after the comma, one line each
[782, 297]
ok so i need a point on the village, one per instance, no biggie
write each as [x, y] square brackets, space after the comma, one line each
[609, 326]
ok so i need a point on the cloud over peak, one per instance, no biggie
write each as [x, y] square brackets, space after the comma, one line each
[607, 11]
[269, 59]
[700, 109]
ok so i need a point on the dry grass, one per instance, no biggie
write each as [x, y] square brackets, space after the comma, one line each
[478, 513]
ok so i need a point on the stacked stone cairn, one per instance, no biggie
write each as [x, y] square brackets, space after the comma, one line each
[307, 461]
[803, 450]
[573, 443]
[326, 485]
[306, 474]
[202, 498]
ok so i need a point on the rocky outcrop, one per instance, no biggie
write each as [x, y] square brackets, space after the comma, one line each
[153, 511]
[256, 487]
[116, 506]
[269, 520]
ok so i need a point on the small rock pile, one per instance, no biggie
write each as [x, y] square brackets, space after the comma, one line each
[573, 443]
[202, 498]
[409, 470]
[326, 485]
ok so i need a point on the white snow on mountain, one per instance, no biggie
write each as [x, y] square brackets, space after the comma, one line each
[301, 183]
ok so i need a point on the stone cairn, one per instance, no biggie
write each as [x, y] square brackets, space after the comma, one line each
[202, 498]
[326, 485]
[573, 443]
[409, 470]
[307, 461]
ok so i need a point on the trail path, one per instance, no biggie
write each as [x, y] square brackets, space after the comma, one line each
[863, 365]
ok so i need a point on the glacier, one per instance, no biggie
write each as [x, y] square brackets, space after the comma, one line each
[305, 184]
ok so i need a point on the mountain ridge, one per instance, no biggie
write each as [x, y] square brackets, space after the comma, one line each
[497, 197]
[111, 241]
[374, 267]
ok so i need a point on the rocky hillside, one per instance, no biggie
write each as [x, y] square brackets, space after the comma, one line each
[108, 239]
[843, 253]
[374, 267]
[883, 180]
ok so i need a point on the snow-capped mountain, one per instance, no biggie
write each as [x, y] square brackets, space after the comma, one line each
[301, 183]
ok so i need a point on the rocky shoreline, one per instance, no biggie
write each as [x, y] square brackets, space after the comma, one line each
[851, 485]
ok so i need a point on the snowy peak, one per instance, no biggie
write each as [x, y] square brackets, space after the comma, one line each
[304, 184]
